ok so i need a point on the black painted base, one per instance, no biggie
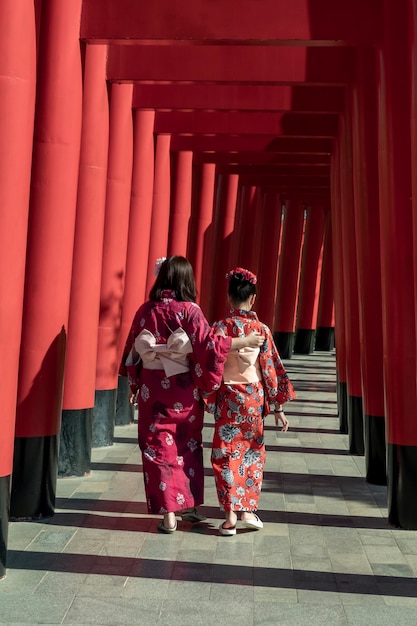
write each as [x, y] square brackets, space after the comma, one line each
[375, 450]
[284, 341]
[35, 471]
[104, 418]
[355, 425]
[125, 413]
[324, 338]
[402, 486]
[341, 389]
[304, 340]
[4, 521]
[75, 443]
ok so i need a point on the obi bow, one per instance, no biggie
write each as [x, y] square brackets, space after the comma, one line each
[241, 367]
[170, 356]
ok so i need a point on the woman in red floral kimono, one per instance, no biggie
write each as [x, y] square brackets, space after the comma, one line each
[170, 355]
[252, 379]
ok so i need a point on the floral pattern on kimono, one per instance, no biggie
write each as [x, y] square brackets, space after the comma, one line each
[238, 449]
[170, 408]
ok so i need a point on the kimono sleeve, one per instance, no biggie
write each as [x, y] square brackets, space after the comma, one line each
[277, 386]
[209, 351]
[131, 363]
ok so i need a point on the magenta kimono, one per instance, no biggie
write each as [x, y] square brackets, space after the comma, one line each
[175, 354]
[252, 380]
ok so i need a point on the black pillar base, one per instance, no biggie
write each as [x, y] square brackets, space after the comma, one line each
[375, 450]
[285, 343]
[355, 425]
[104, 417]
[35, 471]
[125, 413]
[304, 340]
[75, 443]
[324, 338]
[341, 389]
[402, 486]
[4, 521]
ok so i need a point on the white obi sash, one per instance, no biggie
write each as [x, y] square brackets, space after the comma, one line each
[170, 356]
[242, 367]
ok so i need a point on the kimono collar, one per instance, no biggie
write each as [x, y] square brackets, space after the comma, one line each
[168, 295]
[243, 313]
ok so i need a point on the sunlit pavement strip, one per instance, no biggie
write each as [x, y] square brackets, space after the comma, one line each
[326, 554]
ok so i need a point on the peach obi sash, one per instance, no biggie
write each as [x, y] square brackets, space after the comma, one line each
[242, 367]
[170, 356]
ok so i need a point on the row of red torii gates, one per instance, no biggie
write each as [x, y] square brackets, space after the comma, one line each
[281, 137]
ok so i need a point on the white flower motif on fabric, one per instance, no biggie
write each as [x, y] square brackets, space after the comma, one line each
[165, 383]
[198, 370]
[178, 407]
[192, 444]
[218, 453]
[191, 418]
[169, 439]
[180, 315]
[150, 454]
[227, 476]
[162, 510]
[191, 472]
[152, 428]
[211, 345]
[162, 486]
[250, 457]
[227, 432]
[180, 498]
[180, 461]
[144, 393]
[142, 322]
[196, 394]
[215, 387]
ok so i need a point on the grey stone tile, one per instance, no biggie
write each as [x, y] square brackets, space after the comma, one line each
[206, 613]
[21, 607]
[114, 611]
[314, 614]
[188, 589]
[392, 569]
[381, 615]
[146, 588]
[274, 594]
[64, 583]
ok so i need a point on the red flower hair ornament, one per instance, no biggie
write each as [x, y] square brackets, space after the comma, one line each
[241, 274]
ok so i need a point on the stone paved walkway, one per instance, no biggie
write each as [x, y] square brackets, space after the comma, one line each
[326, 554]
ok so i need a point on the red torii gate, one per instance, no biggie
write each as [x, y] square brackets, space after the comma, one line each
[194, 67]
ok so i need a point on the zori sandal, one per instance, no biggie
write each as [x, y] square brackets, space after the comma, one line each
[227, 532]
[164, 529]
[192, 516]
[253, 524]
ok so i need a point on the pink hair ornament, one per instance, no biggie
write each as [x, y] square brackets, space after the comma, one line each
[241, 274]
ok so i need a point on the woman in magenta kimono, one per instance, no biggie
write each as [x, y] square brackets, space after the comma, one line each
[253, 379]
[171, 355]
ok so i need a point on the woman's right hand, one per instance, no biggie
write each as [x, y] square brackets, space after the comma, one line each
[255, 340]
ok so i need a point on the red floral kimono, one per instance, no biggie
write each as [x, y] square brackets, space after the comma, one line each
[253, 378]
[172, 354]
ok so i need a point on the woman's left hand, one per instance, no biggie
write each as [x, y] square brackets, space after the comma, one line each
[280, 418]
